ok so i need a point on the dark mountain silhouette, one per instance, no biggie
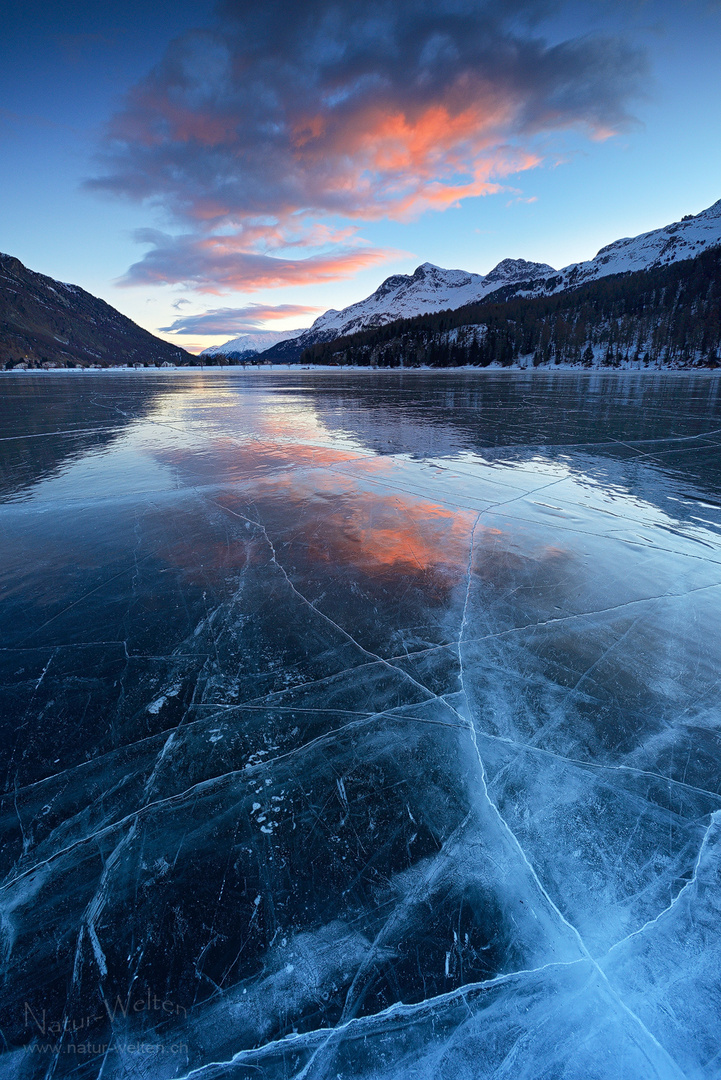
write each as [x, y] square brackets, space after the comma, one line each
[46, 323]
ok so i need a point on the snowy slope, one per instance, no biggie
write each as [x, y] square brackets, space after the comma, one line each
[252, 344]
[681, 240]
[429, 289]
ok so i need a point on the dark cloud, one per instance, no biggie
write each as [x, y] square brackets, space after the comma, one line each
[232, 321]
[283, 113]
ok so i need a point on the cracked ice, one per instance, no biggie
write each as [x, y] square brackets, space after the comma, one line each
[361, 726]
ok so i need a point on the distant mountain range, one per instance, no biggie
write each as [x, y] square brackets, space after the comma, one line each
[47, 323]
[431, 289]
[252, 344]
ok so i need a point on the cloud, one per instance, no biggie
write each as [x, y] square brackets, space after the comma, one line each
[194, 347]
[281, 115]
[232, 321]
[216, 264]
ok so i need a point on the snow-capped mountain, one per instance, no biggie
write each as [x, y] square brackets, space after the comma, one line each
[251, 344]
[432, 289]
[682, 239]
[428, 290]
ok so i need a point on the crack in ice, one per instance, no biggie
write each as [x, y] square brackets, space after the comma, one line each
[397, 1009]
[715, 820]
[561, 917]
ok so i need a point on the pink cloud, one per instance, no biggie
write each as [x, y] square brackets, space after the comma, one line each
[218, 264]
[230, 321]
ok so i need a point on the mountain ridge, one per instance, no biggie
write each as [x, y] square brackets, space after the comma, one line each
[50, 323]
[668, 316]
[676, 242]
[427, 290]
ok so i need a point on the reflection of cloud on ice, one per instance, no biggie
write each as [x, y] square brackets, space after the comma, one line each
[378, 533]
[226, 460]
[331, 510]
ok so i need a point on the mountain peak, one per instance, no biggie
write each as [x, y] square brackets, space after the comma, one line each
[518, 270]
[253, 342]
[9, 262]
[712, 211]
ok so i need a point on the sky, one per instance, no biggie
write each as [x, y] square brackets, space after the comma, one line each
[215, 168]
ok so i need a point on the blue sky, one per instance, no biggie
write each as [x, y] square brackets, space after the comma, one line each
[273, 161]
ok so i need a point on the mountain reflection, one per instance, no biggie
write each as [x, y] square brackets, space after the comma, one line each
[48, 421]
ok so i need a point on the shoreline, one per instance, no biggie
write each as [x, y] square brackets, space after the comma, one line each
[466, 369]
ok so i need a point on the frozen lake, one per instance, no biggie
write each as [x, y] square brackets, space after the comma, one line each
[361, 726]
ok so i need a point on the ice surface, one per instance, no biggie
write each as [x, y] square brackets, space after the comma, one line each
[361, 726]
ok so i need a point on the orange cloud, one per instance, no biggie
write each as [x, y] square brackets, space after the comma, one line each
[406, 162]
[218, 264]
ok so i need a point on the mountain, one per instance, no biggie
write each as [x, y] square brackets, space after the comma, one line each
[665, 315]
[44, 322]
[429, 289]
[684, 239]
[251, 344]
